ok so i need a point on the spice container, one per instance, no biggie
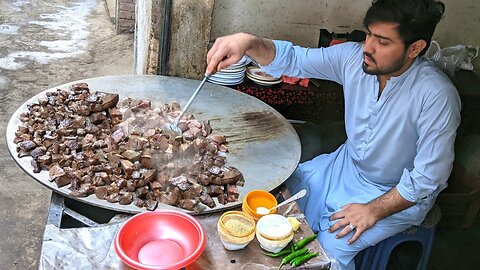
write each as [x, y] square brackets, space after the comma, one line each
[236, 229]
[274, 232]
[258, 198]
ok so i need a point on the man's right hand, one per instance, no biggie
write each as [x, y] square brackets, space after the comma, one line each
[229, 50]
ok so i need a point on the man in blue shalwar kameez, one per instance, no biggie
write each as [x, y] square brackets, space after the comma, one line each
[401, 116]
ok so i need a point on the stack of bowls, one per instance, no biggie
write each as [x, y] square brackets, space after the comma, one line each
[258, 198]
[236, 230]
[231, 75]
[274, 232]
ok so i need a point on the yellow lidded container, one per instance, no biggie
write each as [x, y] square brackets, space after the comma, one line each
[274, 232]
[236, 229]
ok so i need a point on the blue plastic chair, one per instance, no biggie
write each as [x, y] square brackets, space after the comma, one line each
[377, 257]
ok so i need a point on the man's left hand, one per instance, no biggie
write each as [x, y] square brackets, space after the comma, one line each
[356, 217]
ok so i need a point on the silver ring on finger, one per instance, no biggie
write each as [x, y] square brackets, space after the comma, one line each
[352, 227]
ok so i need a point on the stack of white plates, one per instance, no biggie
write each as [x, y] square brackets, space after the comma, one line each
[231, 75]
[258, 76]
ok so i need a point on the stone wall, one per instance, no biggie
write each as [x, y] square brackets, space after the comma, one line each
[188, 36]
[191, 21]
[125, 16]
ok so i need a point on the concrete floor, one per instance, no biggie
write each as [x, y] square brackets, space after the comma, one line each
[45, 43]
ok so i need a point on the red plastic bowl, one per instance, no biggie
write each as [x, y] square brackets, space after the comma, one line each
[163, 239]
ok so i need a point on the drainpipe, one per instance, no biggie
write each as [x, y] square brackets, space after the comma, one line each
[165, 38]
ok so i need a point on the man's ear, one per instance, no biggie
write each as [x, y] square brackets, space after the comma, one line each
[417, 47]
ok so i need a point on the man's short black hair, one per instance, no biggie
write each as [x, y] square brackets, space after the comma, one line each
[416, 19]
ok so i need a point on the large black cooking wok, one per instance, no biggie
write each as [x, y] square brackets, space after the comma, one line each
[262, 144]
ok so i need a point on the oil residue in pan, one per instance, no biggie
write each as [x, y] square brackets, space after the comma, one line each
[253, 126]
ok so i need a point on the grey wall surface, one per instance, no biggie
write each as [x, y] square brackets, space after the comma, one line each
[460, 25]
[300, 20]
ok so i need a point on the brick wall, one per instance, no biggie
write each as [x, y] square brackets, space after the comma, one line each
[125, 19]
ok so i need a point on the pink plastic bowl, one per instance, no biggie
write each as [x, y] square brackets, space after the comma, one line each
[160, 240]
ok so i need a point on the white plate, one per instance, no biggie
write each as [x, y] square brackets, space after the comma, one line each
[264, 83]
[227, 75]
[233, 70]
[243, 62]
[225, 79]
[257, 73]
[226, 82]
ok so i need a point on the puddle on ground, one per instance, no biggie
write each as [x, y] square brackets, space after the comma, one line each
[8, 29]
[69, 25]
[3, 82]
[17, 5]
[10, 63]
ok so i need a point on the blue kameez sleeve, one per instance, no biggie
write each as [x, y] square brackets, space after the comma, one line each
[321, 63]
[436, 128]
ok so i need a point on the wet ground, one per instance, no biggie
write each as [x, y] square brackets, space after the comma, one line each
[45, 43]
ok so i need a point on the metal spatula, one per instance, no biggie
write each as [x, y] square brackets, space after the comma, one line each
[173, 127]
[264, 211]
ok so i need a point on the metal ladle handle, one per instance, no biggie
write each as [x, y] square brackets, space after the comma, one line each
[191, 99]
[297, 196]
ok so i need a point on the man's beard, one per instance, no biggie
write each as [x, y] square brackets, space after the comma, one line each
[393, 67]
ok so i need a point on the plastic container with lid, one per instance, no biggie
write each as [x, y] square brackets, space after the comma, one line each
[274, 232]
[236, 229]
[258, 198]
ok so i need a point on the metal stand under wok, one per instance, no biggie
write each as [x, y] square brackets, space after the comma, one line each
[67, 213]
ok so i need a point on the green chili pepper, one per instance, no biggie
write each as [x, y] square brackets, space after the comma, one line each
[287, 250]
[300, 260]
[278, 254]
[292, 246]
[292, 256]
[305, 241]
